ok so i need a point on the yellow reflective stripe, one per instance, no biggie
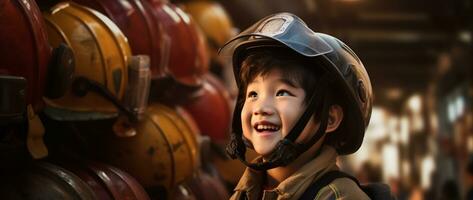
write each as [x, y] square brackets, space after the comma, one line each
[335, 190]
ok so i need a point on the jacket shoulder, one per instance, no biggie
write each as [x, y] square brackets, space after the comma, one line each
[341, 188]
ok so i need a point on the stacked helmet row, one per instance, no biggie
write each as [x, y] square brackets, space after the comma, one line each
[112, 99]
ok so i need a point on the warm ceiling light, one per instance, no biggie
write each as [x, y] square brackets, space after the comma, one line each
[464, 36]
[394, 93]
[415, 103]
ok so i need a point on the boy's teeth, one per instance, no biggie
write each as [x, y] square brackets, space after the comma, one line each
[267, 127]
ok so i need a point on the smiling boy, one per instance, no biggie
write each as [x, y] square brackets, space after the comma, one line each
[304, 99]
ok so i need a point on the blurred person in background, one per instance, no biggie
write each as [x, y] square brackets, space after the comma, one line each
[368, 173]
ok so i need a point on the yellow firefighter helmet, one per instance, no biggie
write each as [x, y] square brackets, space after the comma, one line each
[102, 55]
[162, 154]
[213, 20]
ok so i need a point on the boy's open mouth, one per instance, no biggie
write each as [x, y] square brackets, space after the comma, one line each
[265, 126]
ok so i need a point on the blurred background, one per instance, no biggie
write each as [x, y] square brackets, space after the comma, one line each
[128, 99]
[418, 56]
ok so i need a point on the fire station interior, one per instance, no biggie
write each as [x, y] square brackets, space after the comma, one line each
[129, 99]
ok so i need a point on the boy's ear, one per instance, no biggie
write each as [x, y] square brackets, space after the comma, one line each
[335, 116]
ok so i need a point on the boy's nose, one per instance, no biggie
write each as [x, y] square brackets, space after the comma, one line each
[263, 110]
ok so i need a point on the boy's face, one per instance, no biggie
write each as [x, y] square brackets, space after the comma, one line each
[272, 106]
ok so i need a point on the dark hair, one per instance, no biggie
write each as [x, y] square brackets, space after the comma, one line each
[293, 67]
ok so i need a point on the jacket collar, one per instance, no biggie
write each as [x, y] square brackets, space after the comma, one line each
[295, 185]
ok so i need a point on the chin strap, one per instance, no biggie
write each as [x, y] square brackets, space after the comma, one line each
[82, 85]
[287, 149]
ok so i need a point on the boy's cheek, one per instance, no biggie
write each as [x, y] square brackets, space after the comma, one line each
[245, 115]
[246, 127]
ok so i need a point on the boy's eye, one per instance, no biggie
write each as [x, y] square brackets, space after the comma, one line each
[251, 94]
[283, 93]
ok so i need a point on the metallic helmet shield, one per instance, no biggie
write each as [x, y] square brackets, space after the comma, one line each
[285, 28]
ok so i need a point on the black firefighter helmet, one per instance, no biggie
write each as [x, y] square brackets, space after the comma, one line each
[345, 73]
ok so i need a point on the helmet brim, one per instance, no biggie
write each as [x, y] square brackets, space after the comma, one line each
[285, 29]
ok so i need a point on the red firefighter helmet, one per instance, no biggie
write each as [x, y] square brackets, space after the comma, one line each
[29, 70]
[187, 61]
[107, 182]
[42, 181]
[25, 51]
[202, 181]
[211, 108]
